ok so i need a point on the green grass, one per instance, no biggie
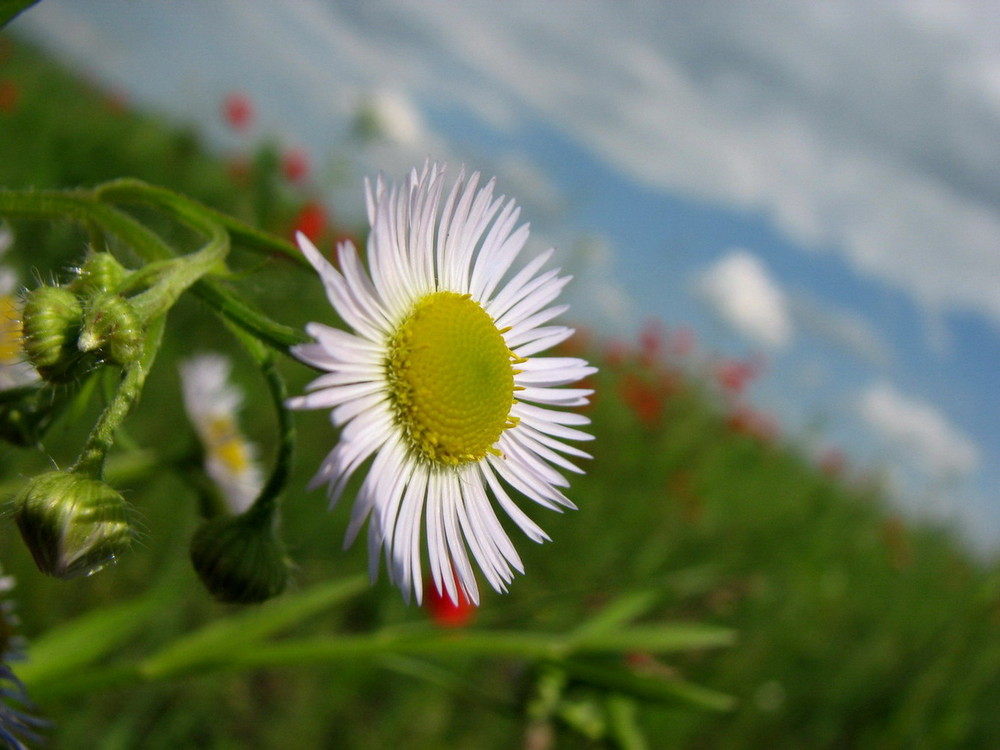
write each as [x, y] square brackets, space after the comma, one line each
[855, 630]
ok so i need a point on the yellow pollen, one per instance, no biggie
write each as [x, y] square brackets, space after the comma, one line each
[225, 443]
[10, 331]
[451, 379]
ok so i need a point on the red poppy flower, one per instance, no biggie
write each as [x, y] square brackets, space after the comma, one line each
[615, 352]
[311, 221]
[295, 165]
[9, 94]
[444, 612]
[237, 109]
[734, 375]
[651, 340]
[744, 420]
[643, 398]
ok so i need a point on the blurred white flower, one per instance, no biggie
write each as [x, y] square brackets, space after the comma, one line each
[212, 403]
[15, 371]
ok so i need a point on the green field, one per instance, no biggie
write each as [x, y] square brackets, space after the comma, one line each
[853, 628]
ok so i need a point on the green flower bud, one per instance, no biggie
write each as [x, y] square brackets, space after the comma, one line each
[100, 272]
[52, 317]
[73, 525]
[240, 559]
[111, 328]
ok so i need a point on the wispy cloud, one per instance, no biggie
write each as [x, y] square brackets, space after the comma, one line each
[869, 128]
[918, 433]
[846, 330]
[741, 292]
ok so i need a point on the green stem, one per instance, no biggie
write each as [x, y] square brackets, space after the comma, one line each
[83, 207]
[80, 206]
[183, 272]
[234, 309]
[101, 438]
[266, 505]
[129, 190]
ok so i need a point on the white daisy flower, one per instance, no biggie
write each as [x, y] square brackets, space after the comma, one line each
[439, 383]
[15, 370]
[212, 402]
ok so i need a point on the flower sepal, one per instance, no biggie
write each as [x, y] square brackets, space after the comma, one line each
[52, 318]
[111, 329]
[73, 524]
[240, 559]
[99, 272]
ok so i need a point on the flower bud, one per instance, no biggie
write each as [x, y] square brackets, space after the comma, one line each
[52, 317]
[111, 328]
[240, 559]
[100, 272]
[73, 525]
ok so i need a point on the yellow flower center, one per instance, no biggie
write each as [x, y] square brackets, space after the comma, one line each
[451, 379]
[227, 445]
[10, 331]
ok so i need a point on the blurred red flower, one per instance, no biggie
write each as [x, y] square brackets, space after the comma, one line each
[9, 95]
[734, 375]
[295, 165]
[237, 109]
[652, 338]
[615, 352]
[311, 221]
[645, 399]
[239, 170]
[444, 612]
[681, 342]
[745, 420]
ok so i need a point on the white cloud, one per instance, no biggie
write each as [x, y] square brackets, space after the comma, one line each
[845, 329]
[869, 128]
[754, 110]
[918, 433]
[740, 291]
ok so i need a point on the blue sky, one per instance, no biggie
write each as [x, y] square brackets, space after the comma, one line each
[813, 183]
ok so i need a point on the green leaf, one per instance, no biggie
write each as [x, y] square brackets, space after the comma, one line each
[219, 641]
[655, 638]
[517, 644]
[622, 610]
[9, 9]
[623, 723]
[85, 639]
[656, 689]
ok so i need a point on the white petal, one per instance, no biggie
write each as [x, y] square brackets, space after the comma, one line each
[552, 371]
[555, 396]
[518, 516]
[536, 320]
[548, 416]
[330, 397]
[511, 290]
[494, 268]
[533, 340]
